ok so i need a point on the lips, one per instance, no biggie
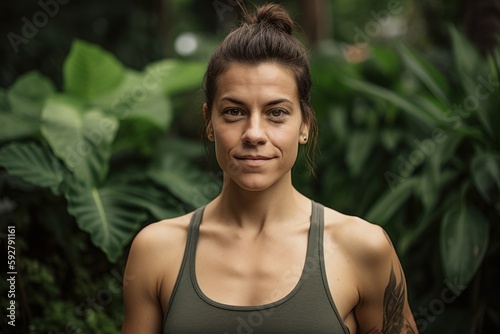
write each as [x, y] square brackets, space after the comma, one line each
[253, 157]
[253, 160]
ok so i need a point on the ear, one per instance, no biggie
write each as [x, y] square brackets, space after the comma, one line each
[304, 133]
[209, 130]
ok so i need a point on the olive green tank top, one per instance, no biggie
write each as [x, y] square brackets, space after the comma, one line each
[308, 308]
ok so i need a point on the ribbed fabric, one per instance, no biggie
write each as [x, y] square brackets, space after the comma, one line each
[308, 308]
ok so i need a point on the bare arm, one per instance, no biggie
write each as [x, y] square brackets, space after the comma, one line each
[384, 307]
[143, 312]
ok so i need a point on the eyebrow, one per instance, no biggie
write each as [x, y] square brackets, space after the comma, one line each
[270, 103]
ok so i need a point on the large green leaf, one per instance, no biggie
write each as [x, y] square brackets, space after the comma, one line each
[27, 95]
[428, 188]
[385, 208]
[186, 148]
[463, 241]
[431, 105]
[156, 109]
[175, 76]
[160, 204]
[359, 147]
[467, 59]
[109, 214]
[446, 146]
[15, 127]
[426, 73]
[138, 97]
[33, 164]
[81, 139]
[485, 169]
[90, 71]
[398, 100]
[338, 123]
[21, 106]
[131, 90]
[184, 180]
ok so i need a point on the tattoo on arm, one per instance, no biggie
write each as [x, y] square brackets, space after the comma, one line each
[394, 301]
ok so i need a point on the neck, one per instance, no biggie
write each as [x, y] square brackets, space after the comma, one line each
[257, 209]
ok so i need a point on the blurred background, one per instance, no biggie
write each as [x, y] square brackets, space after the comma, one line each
[100, 119]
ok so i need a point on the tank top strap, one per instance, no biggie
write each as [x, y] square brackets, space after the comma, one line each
[317, 215]
[316, 229]
[194, 227]
[189, 249]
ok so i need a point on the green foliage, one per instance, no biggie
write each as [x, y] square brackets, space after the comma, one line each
[464, 240]
[107, 213]
[81, 138]
[89, 72]
[80, 126]
[33, 164]
[415, 149]
[21, 106]
[103, 147]
[404, 144]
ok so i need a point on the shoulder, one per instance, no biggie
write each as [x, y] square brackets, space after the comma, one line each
[365, 243]
[162, 233]
[151, 270]
[161, 241]
[158, 246]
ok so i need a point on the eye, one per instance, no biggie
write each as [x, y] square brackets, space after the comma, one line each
[233, 112]
[277, 113]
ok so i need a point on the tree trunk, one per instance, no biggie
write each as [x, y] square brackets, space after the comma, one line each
[316, 20]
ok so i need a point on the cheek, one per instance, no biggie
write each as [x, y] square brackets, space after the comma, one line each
[226, 136]
[286, 139]
[288, 145]
[226, 139]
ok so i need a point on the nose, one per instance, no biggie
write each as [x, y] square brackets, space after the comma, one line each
[254, 133]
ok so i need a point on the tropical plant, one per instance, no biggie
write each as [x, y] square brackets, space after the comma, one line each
[67, 141]
[416, 149]
[101, 153]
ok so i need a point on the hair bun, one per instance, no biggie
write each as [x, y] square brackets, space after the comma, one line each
[274, 15]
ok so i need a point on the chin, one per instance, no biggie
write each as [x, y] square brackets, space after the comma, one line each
[254, 182]
[253, 185]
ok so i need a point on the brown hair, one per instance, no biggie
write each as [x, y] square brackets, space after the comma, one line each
[266, 35]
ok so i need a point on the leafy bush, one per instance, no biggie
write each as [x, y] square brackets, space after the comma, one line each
[402, 143]
[102, 151]
[416, 149]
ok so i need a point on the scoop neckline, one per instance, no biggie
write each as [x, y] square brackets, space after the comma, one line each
[272, 304]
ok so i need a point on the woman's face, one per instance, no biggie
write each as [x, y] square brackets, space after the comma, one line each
[256, 123]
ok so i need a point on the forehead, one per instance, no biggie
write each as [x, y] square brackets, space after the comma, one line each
[265, 80]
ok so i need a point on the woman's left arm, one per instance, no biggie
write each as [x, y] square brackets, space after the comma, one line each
[383, 306]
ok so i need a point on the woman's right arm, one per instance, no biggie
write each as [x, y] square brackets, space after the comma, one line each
[143, 311]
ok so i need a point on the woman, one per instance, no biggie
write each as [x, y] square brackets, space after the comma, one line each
[261, 257]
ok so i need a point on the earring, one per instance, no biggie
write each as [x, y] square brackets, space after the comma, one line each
[305, 138]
